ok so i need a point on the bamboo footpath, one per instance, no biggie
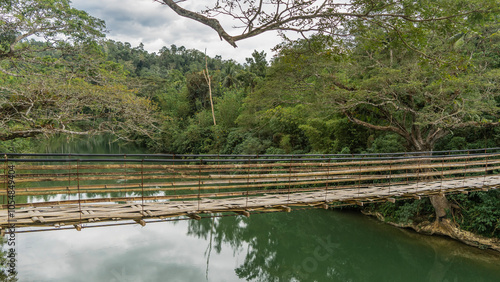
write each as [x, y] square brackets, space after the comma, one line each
[60, 191]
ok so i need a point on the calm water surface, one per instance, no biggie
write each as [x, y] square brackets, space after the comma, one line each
[310, 245]
[304, 245]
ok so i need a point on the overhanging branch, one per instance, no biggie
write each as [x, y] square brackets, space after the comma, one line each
[213, 23]
[376, 127]
[301, 16]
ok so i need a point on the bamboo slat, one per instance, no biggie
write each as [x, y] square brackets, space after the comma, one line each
[241, 183]
[136, 176]
[75, 213]
[285, 163]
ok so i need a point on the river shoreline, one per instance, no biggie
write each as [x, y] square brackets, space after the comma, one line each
[446, 228]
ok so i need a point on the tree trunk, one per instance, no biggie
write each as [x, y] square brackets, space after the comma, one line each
[209, 82]
[440, 203]
[441, 206]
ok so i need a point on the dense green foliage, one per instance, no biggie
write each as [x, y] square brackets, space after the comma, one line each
[379, 91]
[405, 211]
[386, 87]
[375, 91]
[64, 84]
[478, 212]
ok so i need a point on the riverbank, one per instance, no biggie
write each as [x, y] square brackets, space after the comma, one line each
[446, 228]
[473, 219]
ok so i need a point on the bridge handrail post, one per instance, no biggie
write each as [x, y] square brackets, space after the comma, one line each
[125, 167]
[485, 166]
[406, 170]
[78, 187]
[69, 178]
[6, 180]
[465, 168]
[418, 174]
[359, 175]
[142, 185]
[248, 181]
[218, 168]
[199, 183]
[390, 177]
[289, 176]
[327, 180]
[442, 176]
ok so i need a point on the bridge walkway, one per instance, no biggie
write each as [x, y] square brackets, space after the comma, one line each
[78, 191]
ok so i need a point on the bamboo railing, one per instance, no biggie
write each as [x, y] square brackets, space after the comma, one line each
[58, 179]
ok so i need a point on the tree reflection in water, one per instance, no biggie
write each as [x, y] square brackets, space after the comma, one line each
[317, 245]
[4, 262]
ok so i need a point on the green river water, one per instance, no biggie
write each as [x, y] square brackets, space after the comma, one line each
[303, 245]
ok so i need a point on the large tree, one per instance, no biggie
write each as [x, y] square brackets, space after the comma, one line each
[62, 83]
[420, 81]
[54, 22]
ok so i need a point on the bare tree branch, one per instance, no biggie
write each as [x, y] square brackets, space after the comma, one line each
[213, 23]
[259, 16]
[375, 127]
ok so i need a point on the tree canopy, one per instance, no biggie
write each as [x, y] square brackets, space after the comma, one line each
[434, 79]
[56, 22]
[415, 69]
[418, 80]
[62, 84]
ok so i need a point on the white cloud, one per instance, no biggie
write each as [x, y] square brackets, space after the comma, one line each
[155, 25]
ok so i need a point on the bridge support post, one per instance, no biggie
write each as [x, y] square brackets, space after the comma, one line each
[245, 213]
[141, 222]
[285, 208]
[194, 216]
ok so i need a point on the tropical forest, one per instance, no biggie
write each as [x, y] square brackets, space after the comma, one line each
[381, 82]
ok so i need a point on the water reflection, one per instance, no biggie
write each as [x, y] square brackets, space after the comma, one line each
[7, 261]
[157, 252]
[97, 144]
[312, 245]
[332, 246]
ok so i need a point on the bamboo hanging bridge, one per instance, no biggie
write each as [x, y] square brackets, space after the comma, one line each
[61, 191]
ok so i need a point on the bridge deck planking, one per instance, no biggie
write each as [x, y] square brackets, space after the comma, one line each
[79, 214]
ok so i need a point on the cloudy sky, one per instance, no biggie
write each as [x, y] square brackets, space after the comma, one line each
[155, 25]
